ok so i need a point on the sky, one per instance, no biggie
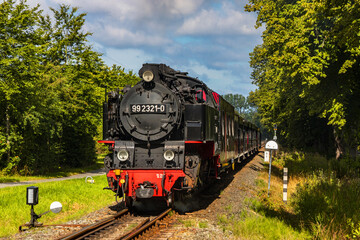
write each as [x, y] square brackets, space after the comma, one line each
[210, 39]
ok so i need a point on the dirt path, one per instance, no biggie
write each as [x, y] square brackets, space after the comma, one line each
[82, 175]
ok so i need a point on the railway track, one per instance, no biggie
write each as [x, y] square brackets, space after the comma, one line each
[125, 226]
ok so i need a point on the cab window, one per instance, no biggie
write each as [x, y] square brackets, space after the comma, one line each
[200, 95]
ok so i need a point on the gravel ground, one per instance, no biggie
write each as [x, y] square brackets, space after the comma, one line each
[226, 197]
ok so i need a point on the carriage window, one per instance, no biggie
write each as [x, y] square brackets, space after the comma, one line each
[229, 127]
[232, 127]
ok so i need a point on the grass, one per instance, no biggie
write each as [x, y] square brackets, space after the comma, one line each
[188, 223]
[191, 223]
[322, 195]
[228, 208]
[260, 227]
[77, 198]
[203, 224]
[323, 201]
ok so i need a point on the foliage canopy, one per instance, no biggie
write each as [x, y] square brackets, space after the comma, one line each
[307, 71]
[51, 88]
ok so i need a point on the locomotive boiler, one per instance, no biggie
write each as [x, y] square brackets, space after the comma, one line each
[169, 135]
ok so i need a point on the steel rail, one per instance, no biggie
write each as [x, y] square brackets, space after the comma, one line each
[139, 230]
[135, 229]
[94, 227]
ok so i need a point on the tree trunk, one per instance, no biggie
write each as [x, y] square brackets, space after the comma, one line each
[339, 144]
[7, 132]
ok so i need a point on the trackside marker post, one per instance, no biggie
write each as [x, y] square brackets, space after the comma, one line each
[266, 156]
[270, 145]
[285, 183]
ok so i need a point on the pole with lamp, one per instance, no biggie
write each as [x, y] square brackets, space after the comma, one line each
[32, 199]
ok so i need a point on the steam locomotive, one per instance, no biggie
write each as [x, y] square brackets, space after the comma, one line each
[169, 135]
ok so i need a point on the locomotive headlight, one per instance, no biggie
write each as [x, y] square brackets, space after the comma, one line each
[148, 76]
[169, 155]
[123, 155]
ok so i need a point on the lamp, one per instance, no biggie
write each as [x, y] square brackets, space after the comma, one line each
[148, 76]
[32, 195]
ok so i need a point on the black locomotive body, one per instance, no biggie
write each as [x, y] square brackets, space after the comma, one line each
[170, 134]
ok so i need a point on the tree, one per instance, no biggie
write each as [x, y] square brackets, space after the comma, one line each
[51, 89]
[20, 48]
[238, 101]
[246, 109]
[307, 71]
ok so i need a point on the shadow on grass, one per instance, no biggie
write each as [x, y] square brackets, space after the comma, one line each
[265, 208]
[275, 170]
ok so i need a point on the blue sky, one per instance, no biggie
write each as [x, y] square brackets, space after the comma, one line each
[210, 39]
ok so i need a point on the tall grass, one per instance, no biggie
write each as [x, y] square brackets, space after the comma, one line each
[323, 195]
[77, 198]
[327, 203]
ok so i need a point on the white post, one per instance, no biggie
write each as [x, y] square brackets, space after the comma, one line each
[269, 173]
[285, 183]
[267, 156]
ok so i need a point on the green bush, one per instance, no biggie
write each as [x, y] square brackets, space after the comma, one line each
[355, 230]
[300, 163]
[346, 166]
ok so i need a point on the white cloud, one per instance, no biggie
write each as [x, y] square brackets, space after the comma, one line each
[221, 81]
[43, 5]
[115, 36]
[137, 9]
[211, 74]
[184, 7]
[225, 21]
[125, 23]
[131, 59]
[210, 39]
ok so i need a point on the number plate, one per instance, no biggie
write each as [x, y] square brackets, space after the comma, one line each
[148, 108]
